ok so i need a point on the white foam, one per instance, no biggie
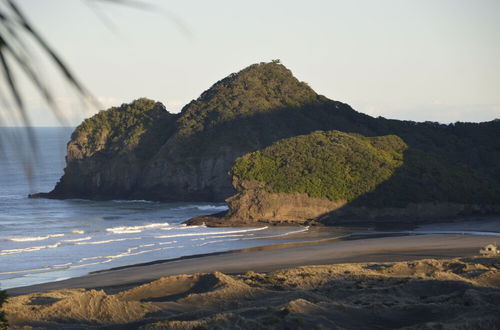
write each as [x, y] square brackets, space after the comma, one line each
[220, 236]
[219, 241]
[91, 258]
[225, 236]
[78, 232]
[35, 238]
[25, 271]
[29, 249]
[169, 242]
[77, 239]
[303, 229]
[184, 226]
[146, 245]
[89, 264]
[61, 265]
[128, 253]
[136, 229]
[214, 233]
[107, 241]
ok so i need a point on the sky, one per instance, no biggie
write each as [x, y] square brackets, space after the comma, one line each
[436, 60]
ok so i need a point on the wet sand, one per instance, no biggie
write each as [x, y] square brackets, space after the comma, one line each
[272, 258]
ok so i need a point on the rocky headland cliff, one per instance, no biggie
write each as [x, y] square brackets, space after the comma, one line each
[285, 171]
[107, 153]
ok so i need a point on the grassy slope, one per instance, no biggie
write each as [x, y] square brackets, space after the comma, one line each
[377, 171]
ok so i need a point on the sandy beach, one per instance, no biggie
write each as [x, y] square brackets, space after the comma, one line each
[422, 281]
[272, 258]
[328, 278]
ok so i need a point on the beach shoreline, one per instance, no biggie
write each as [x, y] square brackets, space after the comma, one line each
[398, 246]
[432, 276]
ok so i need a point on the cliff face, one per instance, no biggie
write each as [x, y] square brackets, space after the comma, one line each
[253, 203]
[107, 153]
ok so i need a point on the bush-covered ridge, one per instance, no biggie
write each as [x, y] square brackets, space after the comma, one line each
[143, 150]
[257, 88]
[366, 171]
[120, 129]
[333, 165]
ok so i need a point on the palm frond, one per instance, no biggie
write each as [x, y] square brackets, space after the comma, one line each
[19, 39]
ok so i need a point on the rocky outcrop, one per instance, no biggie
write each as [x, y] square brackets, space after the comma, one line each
[253, 204]
[108, 152]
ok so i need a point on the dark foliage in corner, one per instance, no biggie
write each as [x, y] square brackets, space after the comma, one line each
[3, 299]
[19, 40]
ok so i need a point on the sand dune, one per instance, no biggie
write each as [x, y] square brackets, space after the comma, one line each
[422, 294]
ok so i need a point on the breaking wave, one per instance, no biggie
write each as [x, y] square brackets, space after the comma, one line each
[34, 238]
[77, 232]
[29, 249]
[214, 233]
[77, 239]
[136, 229]
[301, 230]
[108, 241]
[133, 251]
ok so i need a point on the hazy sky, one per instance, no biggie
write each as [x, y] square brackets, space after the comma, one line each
[435, 60]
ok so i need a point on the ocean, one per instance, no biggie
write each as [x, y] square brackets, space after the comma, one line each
[43, 240]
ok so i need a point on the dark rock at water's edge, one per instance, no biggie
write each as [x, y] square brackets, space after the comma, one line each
[141, 151]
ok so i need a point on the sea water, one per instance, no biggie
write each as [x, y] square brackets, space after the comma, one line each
[43, 240]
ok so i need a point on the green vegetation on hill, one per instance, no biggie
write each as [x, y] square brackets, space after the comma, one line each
[428, 177]
[333, 165]
[142, 125]
[141, 151]
[366, 171]
[257, 88]
[108, 152]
